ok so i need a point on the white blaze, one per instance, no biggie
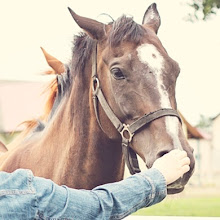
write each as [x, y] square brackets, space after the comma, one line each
[149, 55]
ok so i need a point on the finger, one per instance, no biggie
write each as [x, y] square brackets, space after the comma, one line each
[185, 169]
[182, 154]
[185, 161]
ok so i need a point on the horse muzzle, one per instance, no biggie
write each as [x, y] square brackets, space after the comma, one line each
[176, 187]
[179, 185]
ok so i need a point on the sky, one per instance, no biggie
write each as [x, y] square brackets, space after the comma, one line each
[27, 25]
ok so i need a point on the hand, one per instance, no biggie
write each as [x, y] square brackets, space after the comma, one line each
[173, 165]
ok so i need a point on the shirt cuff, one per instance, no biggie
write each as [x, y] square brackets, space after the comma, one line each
[158, 185]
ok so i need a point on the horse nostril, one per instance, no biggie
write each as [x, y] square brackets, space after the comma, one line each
[161, 153]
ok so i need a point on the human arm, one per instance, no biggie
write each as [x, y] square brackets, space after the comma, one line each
[109, 201]
[23, 196]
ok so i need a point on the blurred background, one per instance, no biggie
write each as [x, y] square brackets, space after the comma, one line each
[190, 31]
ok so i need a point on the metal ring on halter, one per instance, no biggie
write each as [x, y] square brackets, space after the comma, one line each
[95, 85]
[126, 134]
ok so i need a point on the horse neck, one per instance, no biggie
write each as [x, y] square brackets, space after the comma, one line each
[93, 158]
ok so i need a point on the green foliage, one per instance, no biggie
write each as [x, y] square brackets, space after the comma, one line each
[203, 7]
[198, 206]
[204, 122]
[7, 138]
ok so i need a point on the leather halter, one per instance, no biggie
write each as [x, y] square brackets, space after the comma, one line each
[127, 131]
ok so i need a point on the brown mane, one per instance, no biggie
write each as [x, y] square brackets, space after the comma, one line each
[125, 29]
[82, 43]
[51, 89]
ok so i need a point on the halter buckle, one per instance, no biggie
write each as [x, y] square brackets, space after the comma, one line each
[126, 133]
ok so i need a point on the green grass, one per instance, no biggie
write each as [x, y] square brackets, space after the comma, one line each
[198, 206]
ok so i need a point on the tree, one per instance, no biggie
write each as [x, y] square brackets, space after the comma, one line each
[204, 122]
[205, 8]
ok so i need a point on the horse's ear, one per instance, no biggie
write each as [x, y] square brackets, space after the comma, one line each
[54, 63]
[152, 18]
[92, 27]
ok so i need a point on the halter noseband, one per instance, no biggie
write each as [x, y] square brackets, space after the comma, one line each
[127, 131]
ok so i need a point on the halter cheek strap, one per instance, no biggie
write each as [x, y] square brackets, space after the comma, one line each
[127, 131]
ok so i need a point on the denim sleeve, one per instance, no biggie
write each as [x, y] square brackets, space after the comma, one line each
[110, 201]
[17, 195]
[23, 196]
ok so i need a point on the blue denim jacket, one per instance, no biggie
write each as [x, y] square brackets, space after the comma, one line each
[23, 196]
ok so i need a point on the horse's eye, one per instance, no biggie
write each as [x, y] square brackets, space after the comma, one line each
[117, 73]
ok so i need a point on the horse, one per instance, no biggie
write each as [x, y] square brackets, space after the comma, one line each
[115, 99]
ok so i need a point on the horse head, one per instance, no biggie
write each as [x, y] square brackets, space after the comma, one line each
[138, 79]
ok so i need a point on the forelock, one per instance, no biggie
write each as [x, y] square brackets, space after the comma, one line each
[125, 29]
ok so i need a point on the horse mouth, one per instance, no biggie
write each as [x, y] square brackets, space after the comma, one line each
[179, 185]
[175, 187]
[174, 191]
[171, 191]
